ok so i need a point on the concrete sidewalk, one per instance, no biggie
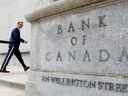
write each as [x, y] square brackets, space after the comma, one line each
[13, 83]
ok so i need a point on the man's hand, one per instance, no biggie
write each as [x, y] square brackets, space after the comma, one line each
[25, 42]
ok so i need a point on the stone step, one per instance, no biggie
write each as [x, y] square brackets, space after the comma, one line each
[13, 82]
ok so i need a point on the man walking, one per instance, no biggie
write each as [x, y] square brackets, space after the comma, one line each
[15, 40]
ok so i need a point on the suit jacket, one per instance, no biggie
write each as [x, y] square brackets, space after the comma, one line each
[15, 38]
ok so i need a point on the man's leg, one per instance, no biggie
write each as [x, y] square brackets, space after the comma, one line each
[7, 59]
[18, 55]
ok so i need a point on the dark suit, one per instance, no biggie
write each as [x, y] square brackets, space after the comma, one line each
[15, 40]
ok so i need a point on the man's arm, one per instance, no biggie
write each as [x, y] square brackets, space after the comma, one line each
[16, 36]
[23, 41]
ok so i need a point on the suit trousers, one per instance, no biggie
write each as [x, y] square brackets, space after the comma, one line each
[10, 53]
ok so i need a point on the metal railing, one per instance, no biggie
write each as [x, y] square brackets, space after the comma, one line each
[5, 42]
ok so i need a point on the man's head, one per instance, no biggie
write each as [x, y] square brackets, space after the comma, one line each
[19, 24]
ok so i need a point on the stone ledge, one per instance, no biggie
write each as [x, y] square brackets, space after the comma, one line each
[12, 84]
[58, 7]
[14, 80]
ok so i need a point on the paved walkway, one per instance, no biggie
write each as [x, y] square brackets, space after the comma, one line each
[13, 84]
[8, 91]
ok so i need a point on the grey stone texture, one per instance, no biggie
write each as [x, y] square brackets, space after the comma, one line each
[51, 84]
[83, 41]
[79, 51]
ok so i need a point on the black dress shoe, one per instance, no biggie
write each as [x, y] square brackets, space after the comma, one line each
[5, 71]
[26, 68]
